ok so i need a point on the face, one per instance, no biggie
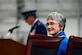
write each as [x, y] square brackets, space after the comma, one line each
[30, 20]
[52, 26]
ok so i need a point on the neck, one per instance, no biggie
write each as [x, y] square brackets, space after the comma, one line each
[55, 34]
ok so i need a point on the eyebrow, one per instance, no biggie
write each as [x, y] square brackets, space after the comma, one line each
[50, 23]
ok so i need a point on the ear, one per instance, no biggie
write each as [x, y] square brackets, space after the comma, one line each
[61, 28]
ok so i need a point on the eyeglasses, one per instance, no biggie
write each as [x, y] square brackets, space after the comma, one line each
[51, 23]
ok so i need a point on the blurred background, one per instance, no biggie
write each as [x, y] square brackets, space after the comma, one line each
[10, 16]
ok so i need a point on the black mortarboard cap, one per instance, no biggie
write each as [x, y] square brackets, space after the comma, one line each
[29, 13]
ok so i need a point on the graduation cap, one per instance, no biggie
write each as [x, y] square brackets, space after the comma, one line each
[29, 13]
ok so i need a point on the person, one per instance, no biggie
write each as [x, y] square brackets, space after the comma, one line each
[37, 27]
[55, 25]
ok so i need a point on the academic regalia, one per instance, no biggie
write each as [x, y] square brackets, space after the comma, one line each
[63, 44]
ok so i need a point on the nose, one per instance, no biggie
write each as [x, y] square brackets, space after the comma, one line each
[48, 27]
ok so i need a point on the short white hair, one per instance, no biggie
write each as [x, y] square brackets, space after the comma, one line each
[57, 16]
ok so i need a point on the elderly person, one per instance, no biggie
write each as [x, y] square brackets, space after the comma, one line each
[55, 25]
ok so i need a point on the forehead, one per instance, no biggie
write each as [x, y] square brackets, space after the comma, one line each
[52, 20]
[31, 16]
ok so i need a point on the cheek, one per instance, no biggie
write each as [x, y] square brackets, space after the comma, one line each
[51, 30]
[55, 29]
[27, 20]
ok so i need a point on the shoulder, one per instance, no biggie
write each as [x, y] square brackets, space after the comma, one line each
[40, 23]
[64, 42]
[65, 39]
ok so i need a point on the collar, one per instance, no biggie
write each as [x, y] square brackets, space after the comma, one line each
[61, 34]
[35, 21]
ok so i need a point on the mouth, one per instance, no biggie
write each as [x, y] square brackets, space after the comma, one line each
[49, 30]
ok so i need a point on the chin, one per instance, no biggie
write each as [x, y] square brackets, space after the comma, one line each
[51, 33]
[29, 23]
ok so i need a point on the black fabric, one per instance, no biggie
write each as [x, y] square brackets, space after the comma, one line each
[62, 53]
[76, 50]
[41, 50]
